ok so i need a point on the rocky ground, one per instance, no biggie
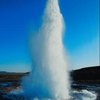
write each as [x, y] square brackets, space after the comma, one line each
[81, 77]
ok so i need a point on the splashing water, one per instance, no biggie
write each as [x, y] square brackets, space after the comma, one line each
[84, 95]
[49, 77]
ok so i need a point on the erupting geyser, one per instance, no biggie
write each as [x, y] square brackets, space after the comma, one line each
[49, 77]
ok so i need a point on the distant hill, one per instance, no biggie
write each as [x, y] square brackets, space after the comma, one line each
[11, 76]
[89, 75]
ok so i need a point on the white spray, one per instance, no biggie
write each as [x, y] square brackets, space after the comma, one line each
[49, 78]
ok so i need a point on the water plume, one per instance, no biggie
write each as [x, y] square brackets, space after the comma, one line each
[49, 77]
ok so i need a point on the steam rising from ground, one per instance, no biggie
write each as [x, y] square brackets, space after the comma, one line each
[49, 78]
[84, 95]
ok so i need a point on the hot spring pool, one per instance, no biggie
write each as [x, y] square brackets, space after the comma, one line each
[90, 93]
